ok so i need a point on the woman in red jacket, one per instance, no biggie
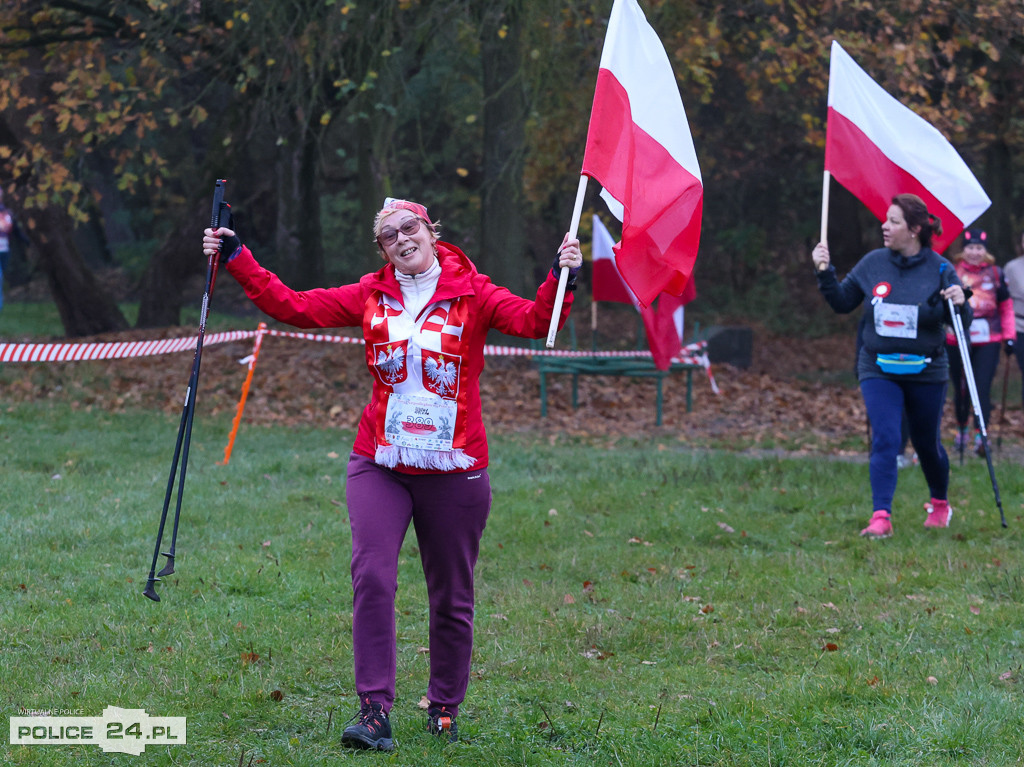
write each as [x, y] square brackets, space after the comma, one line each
[420, 453]
[992, 325]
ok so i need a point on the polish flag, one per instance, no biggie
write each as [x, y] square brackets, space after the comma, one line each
[605, 278]
[639, 148]
[878, 148]
[663, 325]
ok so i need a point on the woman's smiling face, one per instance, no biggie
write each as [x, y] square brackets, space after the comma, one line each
[410, 253]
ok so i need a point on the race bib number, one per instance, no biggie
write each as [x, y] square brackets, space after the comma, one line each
[980, 333]
[427, 423]
[896, 320]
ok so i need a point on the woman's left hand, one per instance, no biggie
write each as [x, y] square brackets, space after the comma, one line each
[569, 254]
[954, 293]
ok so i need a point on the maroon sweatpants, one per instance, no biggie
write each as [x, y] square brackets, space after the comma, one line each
[448, 512]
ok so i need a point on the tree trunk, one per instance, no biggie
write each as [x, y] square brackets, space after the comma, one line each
[504, 255]
[999, 218]
[85, 307]
[371, 200]
[180, 257]
[298, 239]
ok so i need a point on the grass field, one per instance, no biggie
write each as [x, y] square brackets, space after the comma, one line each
[636, 605]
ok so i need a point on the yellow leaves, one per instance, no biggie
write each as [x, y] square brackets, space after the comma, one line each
[198, 115]
[126, 181]
[325, 118]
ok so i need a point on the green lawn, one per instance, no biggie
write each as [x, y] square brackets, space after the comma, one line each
[635, 606]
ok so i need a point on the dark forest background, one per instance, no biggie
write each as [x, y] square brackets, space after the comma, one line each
[116, 117]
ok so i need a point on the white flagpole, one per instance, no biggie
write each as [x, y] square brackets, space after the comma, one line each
[563, 276]
[824, 212]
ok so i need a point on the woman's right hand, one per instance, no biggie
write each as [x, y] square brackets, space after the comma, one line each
[820, 257]
[214, 241]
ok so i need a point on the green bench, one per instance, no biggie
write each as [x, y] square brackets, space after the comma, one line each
[636, 367]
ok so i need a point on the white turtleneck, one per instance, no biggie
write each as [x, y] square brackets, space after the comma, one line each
[417, 289]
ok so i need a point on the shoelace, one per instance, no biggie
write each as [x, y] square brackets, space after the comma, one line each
[370, 716]
[371, 719]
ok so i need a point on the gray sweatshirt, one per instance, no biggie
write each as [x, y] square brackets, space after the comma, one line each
[1014, 272]
[904, 313]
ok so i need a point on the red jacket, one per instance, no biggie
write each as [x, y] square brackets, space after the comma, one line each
[465, 305]
[993, 307]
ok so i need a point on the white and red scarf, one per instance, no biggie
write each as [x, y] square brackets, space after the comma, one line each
[418, 357]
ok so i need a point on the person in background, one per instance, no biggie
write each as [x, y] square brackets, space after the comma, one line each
[902, 366]
[1014, 273]
[993, 325]
[420, 453]
[8, 229]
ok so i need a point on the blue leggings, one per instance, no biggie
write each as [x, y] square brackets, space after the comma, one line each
[886, 400]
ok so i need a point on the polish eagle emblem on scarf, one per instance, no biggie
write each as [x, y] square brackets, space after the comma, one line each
[442, 375]
[390, 363]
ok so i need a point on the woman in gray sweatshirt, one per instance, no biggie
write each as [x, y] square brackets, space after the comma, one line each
[904, 288]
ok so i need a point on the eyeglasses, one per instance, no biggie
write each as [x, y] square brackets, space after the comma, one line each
[389, 236]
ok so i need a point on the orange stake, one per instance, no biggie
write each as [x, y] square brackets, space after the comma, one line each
[260, 331]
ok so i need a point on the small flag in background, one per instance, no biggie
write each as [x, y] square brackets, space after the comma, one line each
[663, 325]
[878, 148]
[639, 148]
[605, 278]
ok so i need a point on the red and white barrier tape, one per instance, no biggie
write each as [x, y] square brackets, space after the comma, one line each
[694, 354]
[111, 350]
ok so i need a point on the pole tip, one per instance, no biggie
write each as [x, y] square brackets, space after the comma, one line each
[150, 591]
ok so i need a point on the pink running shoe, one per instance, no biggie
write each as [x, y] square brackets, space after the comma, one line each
[939, 513]
[879, 527]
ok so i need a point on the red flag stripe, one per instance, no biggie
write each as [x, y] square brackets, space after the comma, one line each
[860, 166]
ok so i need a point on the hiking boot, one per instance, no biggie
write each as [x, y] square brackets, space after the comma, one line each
[960, 441]
[937, 518]
[441, 723]
[879, 527]
[979, 445]
[372, 731]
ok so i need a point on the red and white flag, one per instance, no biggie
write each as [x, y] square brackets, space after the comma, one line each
[639, 148]
[663, 325]
[604, 276]
[878, 148]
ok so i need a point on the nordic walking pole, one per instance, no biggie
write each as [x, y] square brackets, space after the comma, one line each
[563, 274]
[181, 445]
[965, 356]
